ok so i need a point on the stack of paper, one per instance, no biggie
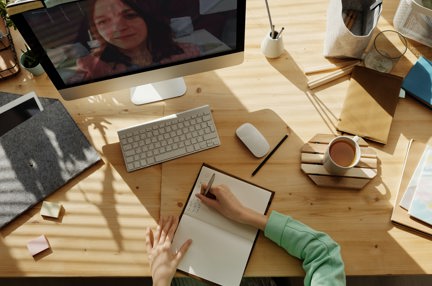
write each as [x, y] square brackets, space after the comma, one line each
[418, 197]
[413, 207]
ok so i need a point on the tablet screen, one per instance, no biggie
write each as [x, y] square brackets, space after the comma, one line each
[18, 114]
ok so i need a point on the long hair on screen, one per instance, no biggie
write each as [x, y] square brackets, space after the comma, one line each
[159, 41]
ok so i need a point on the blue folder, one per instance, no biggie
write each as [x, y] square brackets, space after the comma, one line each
[418, 82]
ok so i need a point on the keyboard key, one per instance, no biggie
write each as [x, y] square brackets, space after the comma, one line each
[170, 155]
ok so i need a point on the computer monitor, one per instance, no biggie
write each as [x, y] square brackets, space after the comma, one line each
[91, 47]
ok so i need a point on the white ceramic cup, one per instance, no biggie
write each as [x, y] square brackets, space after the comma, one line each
[272, 47]
[342, 154]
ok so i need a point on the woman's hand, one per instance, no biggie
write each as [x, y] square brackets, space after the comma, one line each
[163, 261]
[226, 203]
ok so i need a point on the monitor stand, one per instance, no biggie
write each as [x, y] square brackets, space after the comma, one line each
[158, 91]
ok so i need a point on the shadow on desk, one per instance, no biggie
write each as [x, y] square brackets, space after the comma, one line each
[406, 108]
[144, 183]
[57, 195]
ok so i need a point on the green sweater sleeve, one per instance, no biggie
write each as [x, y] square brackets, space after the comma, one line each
[321, 257]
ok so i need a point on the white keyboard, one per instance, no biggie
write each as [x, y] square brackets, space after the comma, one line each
[168, 138]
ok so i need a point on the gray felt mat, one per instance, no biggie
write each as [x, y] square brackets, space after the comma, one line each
[39, 156]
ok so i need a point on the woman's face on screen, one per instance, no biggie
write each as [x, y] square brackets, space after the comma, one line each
[119, 24]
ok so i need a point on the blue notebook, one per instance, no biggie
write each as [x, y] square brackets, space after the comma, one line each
[418, 82]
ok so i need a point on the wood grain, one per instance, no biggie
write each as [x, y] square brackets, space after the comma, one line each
[107, 210]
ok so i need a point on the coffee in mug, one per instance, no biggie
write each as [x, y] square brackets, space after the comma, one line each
[342, 153]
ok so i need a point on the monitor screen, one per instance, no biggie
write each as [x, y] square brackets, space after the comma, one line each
[95, 46]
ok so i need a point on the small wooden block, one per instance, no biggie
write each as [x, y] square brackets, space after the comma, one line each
[312, 154]
[365, 173]
[38, 245]
[312, 158]
[50, 209]
[339, 182]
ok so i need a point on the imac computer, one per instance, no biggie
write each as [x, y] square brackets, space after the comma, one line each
[90, 47]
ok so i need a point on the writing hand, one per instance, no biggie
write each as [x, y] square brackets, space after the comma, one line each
[226, 203]
[163, 261]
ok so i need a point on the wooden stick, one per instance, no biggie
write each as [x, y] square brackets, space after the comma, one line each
[348, 16]
[365, 173]
[351, 21]
[328, 67]
[330, 77]
[310, 158]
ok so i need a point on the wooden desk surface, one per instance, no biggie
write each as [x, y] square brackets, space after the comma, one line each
[108, 209]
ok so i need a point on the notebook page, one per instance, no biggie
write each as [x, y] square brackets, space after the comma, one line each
[214, 255]
[249, 195]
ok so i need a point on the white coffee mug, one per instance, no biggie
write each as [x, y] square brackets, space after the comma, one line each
[342, 154]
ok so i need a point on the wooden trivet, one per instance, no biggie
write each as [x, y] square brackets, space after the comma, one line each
[312, 154]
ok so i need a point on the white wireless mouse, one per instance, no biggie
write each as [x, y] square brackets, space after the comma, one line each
[253, 139]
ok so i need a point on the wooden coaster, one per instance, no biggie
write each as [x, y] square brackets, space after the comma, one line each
[312, 154]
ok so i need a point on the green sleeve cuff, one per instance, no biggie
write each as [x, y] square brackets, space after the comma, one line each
[273, 229]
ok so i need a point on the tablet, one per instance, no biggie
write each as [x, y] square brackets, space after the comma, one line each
[18, 111]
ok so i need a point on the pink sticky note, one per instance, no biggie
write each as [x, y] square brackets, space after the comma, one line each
[38, 245]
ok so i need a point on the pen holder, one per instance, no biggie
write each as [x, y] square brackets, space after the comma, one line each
[272, 45]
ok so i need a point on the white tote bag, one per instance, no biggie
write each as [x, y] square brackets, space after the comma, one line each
[342, 42]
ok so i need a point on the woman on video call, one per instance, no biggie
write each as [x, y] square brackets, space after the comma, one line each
[130, 36]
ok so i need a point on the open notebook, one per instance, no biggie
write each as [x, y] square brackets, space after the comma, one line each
[221, 248]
